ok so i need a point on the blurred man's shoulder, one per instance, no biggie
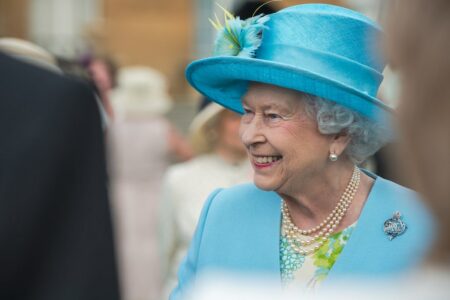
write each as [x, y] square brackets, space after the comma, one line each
[33, 85]
[13, 70]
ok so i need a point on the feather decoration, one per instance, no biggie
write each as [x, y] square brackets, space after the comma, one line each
[238, 37]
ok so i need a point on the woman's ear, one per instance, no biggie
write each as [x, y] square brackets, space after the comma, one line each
[339, 143]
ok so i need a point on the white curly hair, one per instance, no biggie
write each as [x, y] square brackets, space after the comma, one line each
[366, 136]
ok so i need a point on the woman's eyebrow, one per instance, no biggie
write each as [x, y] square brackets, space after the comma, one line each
[275, 106]
[271, 106]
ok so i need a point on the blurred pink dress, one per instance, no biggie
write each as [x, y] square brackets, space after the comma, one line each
[139, 157]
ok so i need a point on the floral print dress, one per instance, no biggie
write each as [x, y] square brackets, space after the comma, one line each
[309, 271]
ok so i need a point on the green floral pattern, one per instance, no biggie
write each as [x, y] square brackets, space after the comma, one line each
[322, 260]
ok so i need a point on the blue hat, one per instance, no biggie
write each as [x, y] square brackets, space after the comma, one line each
[323, 50]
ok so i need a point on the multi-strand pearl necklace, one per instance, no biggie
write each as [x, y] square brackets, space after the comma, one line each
[309, 241]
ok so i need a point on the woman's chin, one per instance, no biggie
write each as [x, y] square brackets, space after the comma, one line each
[264, 184]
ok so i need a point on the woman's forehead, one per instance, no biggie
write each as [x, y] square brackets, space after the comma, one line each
[269, 96]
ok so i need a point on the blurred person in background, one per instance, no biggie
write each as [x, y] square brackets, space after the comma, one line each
[310, 115]
[55, 225]
[418, 46]
[103, 72]
[220, 162]
[142, 144]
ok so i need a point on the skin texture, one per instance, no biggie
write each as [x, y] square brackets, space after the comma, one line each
[275, 124]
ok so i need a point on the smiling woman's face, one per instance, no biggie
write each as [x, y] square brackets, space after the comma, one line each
[282, 141]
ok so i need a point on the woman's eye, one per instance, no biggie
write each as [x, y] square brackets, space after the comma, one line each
[273, 116]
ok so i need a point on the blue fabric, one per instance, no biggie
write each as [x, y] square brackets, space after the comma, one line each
[324, 50]
[239, 231]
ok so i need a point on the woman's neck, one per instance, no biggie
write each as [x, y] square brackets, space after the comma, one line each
[315, 198]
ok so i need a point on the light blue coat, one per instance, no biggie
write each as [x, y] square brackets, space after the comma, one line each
[239, 231]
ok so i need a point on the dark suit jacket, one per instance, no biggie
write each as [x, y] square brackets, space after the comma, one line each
[56, 239]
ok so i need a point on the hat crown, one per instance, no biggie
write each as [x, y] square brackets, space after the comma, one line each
[327, 29]
[331, 41]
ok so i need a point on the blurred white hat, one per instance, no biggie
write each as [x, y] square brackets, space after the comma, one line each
[141, 91]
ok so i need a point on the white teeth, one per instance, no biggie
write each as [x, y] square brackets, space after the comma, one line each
[266, 159]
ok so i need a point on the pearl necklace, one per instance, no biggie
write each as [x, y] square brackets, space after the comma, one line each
[302, 241]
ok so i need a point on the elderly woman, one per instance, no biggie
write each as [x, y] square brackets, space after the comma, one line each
[306, 82]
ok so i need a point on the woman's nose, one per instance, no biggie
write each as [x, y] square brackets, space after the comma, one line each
[251, 132]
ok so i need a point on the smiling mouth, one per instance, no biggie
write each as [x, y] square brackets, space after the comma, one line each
[265, 161]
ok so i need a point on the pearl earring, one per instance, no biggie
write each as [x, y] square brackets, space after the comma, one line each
[333, 156]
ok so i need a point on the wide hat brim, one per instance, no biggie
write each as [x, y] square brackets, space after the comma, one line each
[225, 80]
